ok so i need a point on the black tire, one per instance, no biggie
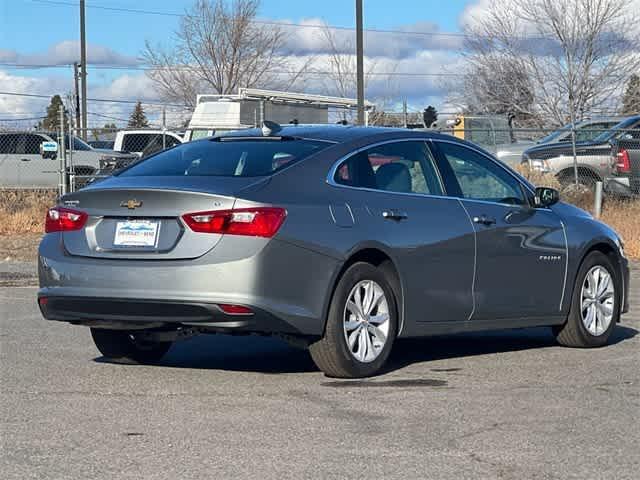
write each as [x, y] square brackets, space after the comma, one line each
[331, 353]
[573, 333]
[121, 346]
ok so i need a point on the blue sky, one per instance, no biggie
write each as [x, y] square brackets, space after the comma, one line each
[46, 31]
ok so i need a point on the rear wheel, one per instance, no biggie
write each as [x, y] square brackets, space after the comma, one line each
[123, 346]
[361, 325]
[595, 306]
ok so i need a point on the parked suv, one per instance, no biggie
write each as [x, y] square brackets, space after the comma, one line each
[22, 165]
[594, 156]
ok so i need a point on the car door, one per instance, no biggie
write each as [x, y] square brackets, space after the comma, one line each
[521, 259]
[397, 199]
[8, 160]
[33, 170]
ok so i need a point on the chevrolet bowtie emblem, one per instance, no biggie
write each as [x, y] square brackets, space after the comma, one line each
[131, 204]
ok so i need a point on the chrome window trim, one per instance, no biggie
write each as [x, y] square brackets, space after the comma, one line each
[334, 168]
[332, 171]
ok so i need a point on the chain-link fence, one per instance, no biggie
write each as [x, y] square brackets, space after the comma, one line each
[603, 151]
[73, 162]
[571, 159]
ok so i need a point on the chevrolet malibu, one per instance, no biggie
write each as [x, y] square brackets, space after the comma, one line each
[337, 238]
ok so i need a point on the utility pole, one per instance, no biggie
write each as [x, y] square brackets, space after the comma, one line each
[62, 152]
[76, 95]
[359, 62]
[405, 122]
[83, 63]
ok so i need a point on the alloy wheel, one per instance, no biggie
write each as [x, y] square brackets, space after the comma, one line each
[597, 300]
[366, 321]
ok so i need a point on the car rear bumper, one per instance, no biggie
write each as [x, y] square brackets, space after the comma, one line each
[127, 313]
[286, 286]
[622, 186]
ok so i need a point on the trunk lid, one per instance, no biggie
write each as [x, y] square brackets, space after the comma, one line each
[120, 208]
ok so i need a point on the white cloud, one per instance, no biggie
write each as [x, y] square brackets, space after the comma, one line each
[67, 52]
[420, 36]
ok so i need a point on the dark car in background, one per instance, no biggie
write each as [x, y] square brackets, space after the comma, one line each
[593, 156]
[625, 165]
[337, 238]
[586, 130]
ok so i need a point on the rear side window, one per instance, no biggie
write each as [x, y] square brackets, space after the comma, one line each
[228, 158]
[403, 167]
[136, 142]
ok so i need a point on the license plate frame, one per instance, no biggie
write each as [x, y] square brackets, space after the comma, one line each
[136, 234]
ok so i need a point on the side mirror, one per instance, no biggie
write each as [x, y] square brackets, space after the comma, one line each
[545, 197]
[49, 150]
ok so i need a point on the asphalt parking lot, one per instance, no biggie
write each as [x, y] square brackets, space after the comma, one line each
[507, 405]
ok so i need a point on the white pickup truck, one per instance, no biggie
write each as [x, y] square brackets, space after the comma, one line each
[145, 142]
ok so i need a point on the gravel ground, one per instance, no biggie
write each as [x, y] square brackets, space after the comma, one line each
[509, 405]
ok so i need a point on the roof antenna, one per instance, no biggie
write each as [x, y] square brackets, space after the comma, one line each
[270, 128]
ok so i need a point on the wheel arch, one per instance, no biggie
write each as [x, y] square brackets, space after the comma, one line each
[583, 170]
[376, 255]
[608, 248]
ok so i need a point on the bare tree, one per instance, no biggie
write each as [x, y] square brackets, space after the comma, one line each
[569, 57]
[219, 47]
[339, 72]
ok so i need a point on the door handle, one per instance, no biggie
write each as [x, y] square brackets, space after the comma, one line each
[394, 215]
[25, 159]
[484, 220]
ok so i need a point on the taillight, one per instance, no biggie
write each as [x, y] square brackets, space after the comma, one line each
[252, 222]
[60, 219]
[623, 165]
[232, 309]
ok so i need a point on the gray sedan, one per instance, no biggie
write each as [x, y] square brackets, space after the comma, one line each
[340, 239]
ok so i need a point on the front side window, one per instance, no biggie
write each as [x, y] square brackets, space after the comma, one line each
[226, 158]
[29, 144]
[480, 179]
[404, 167]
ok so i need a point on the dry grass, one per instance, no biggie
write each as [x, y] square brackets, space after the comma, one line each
[624, 218]
[23, 211]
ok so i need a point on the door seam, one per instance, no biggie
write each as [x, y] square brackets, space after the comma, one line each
[475, 261]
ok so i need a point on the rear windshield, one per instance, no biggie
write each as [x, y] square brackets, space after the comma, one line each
[228, 158]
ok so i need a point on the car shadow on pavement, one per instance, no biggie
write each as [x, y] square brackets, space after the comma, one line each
[410, 351]
[274, 356]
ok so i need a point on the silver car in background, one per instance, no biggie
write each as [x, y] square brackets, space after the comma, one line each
[338, 238]
[23, 166]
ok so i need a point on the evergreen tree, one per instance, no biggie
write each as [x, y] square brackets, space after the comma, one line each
[631, 98]
[51, 122]
[430, 116]
[138, 119]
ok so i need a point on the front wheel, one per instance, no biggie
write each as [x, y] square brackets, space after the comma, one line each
[595, 306]
[124, 347]
[361, 325]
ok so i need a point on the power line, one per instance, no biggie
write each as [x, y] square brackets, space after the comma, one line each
[186, 68]
[21, 119]
[259, 22]
[105, 100]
